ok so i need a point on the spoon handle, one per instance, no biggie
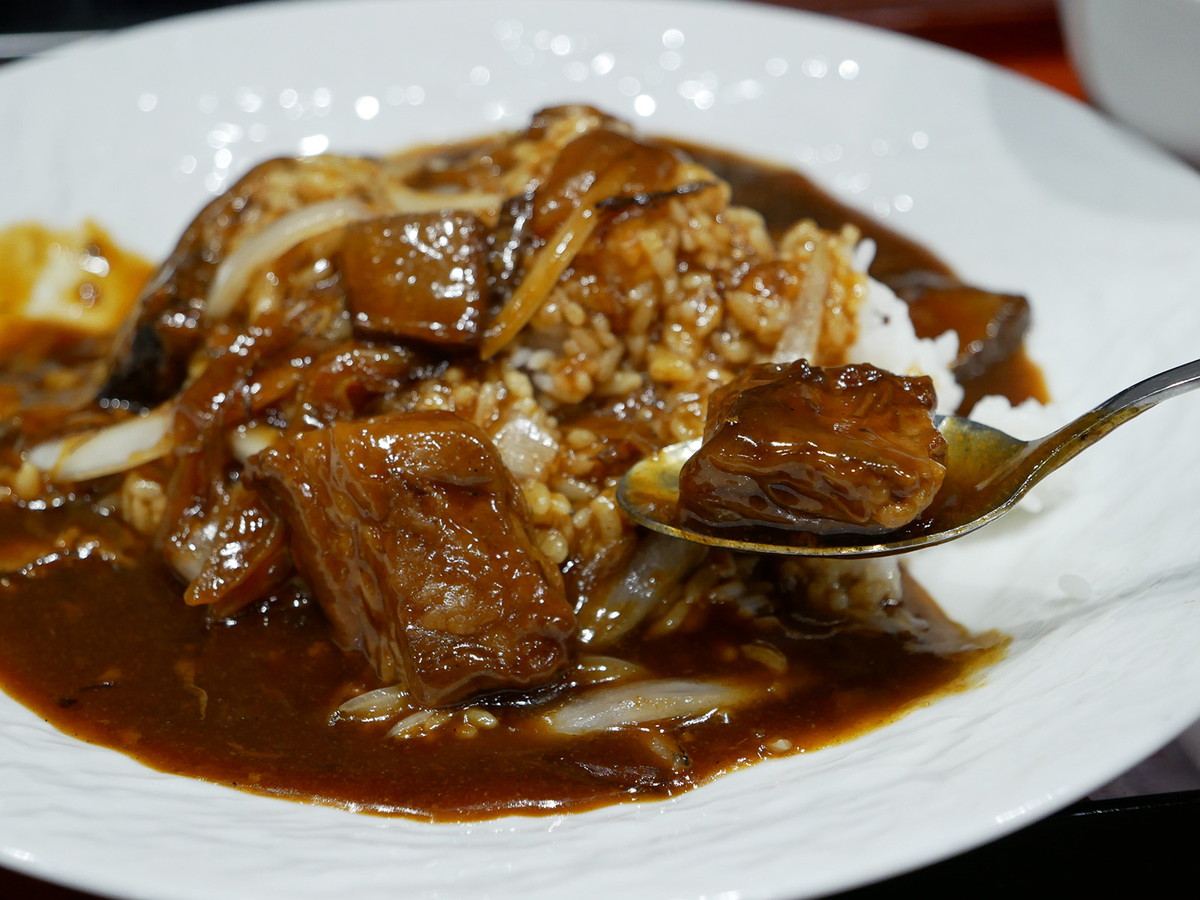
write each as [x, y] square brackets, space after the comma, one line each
[1155, 389]
[1047, 454]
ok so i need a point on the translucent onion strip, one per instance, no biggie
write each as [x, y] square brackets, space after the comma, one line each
[377, 704]
[802, 330]
[623, 705]
[659, 565]
[550, 262]
[600, 669]
[413, 201]
[233, 274]
[247, 442]
[420, 723]
[107, 450]
[407, 166]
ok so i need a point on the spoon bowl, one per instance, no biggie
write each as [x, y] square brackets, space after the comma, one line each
[987, 472]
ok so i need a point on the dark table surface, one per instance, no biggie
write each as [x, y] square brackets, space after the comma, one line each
[1136, 834]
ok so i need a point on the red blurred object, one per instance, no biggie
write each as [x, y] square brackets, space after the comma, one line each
[1022, 35]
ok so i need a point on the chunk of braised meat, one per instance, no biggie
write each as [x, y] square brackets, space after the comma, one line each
[420, 276]
[151, 358]
[510, 244]
[412, 536]
[233, 553]
[622, 165]
[990, 325]
[849, 449]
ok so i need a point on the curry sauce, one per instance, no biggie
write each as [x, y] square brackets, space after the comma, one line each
[109, 654]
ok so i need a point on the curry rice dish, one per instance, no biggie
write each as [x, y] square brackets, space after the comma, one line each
[331, 515]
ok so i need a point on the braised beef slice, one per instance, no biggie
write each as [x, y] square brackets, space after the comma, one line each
[629, 168]
[411, 534]
[239, 549]
[150, 362]
[422, 276]
[990, 325]
[849, 449]
[510, 245]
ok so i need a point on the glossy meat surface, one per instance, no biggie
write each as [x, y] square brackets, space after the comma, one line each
[411, 535]
[849, 449]
[155, 345]
[418, 276]
[990, 325]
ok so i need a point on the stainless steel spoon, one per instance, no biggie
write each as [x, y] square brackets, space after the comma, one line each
[987, 472]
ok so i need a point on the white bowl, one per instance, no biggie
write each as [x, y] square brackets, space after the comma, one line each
[1019, 187]
[1140, 61]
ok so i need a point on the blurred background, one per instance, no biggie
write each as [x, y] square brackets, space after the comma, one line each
[28, 27]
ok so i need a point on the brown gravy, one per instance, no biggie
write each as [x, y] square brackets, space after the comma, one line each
[111, 656]
[107, 652]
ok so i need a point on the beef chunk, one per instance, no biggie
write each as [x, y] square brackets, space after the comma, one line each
[234, 553]
[411, 534]
[850, 449]
[510, 245]
[152, 354]
[990, 325]
[418, 276]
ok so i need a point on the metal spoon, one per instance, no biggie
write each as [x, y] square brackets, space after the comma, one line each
[987, 472]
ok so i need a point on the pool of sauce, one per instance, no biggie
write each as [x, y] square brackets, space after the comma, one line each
[107, 652]
[110, 655]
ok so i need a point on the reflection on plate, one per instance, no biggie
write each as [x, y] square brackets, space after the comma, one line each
[1019, 189]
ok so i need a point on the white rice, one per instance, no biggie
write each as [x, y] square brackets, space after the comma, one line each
[886, 339]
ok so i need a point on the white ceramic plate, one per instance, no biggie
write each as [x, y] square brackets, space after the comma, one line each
[1021, 189]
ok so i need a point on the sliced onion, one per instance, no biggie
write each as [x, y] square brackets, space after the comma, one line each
[377, 704]
[404, 167]
[802, 330]
[104, 451]
[233, 274]
[247, 442]
[551, 261]
[658, 567]
[419, 723]
[601, 669]
[627, 704]
[413, 201]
